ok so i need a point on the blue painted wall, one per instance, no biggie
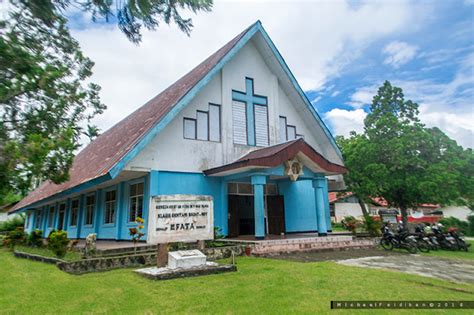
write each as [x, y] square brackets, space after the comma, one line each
[194, 183]
[300, 208]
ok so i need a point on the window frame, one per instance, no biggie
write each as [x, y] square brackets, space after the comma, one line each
[219, 107]
[195, 128]
[86, 208]
[76, 215]
[114, 203]
[130, 184]
[202, 112]
[38, 218]
[51, 215]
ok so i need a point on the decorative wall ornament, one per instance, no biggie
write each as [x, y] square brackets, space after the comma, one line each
[294, 169]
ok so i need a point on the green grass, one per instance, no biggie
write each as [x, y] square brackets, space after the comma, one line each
[261, 286]
[70, 256]
[454, 254]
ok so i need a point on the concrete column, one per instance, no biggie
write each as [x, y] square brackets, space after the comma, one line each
[121, 210]
[318, 185]
[327, 211]
[98, 211]
[80, 215]
[258, 182]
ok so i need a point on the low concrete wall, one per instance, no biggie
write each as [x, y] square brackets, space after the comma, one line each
[49, 260]
[136, 260]
[107, 263]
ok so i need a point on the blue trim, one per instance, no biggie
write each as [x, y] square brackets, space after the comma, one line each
[75, 189]
[298, 88]
[250, 99]
[183, 102]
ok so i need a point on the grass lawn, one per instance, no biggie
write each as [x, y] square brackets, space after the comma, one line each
[261, 286]
[453, 254]
[70, 256]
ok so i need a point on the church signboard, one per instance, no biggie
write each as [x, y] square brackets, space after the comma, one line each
[180, 218]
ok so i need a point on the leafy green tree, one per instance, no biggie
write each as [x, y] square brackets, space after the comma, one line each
[45, 101]
[130, 15]
[399, 159]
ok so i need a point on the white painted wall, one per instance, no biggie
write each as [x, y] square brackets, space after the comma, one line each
[459, 212]
[170, 151]
[344, 209]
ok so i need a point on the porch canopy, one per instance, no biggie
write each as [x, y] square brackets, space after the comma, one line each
[293, 160]
[273, 156]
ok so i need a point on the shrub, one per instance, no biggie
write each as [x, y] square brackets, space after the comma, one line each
[12, 223]
[452, 222]
[35, 239]
[58, 243]
[350, 223]
[372, 226]
[15, 237]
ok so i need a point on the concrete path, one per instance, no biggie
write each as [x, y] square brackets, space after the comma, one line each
[434, 267]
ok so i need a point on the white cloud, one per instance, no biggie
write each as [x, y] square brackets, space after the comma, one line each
[399, 53]
[344, 121]
[362, 96]
[317, 39]
[448, 105]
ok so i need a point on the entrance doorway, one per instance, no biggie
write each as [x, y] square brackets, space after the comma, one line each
[241, 216]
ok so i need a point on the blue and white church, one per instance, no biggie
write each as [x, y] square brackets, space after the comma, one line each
[238, 127]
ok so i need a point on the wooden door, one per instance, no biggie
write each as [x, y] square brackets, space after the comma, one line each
[233, 216]
[276, 215]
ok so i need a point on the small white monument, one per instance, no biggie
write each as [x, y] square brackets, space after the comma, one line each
[186, 259]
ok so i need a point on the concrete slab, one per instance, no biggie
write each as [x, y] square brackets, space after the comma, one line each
[455, 270]
[166, 273]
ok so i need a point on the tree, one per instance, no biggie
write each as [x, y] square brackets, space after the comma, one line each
[43, 98]
[399, 159]
[130, 15]
[45, 102]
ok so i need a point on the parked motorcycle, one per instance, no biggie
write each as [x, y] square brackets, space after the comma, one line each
[445, 240]
[422, 241]
[403, 240]
[459, 238]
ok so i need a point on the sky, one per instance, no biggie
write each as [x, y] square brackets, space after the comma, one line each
[339, 51]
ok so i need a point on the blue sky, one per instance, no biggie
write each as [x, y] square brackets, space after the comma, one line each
[339, 51]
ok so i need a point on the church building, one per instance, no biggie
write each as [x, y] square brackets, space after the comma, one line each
[238, 127]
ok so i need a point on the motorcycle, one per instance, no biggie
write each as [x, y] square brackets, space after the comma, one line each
[403, 240]
[422, 241]
[445, 240]
[459, 238]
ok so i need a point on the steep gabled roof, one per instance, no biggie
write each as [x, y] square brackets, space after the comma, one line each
[106, 156]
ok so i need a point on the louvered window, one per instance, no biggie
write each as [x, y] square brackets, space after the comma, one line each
[239, 122]
[261, 125]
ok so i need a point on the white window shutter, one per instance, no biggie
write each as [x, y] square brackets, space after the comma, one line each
[261, 125]
[239, 122]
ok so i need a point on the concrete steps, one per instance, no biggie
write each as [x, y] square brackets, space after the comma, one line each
[310, 244]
